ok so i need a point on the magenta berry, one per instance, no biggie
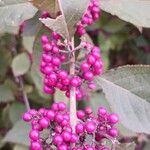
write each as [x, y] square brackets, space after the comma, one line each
[27, 117]
[57, 139]
[57, 121]
[80, 114]
[34, 135]
[36, 146]
[102, 111]
[44, 123]
[113, 118]
[76, 81]
[113, 132]
[79, 128]
[90, 127]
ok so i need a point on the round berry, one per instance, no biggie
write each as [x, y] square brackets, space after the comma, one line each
[113, 118]
[90, 127]
[44, 123]
[34, 135]
[27, 117]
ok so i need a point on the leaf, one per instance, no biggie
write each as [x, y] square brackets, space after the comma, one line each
[6, 95]
[20, 64]
[114, 25]
[15, 111]
[125, 146]
[60, 97]
[28, 42]
[20, 147]
[72, 11]
[51, 6]
[18, 134]
[58, 25]
[135, 11]
[13, 13]
[127, 91]
[5, 61]
[31, 28]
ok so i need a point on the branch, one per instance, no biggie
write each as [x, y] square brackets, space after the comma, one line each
[73, 117]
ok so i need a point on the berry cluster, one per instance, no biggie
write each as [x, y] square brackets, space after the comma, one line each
[91, 15]
[53, 58]
[55, 121]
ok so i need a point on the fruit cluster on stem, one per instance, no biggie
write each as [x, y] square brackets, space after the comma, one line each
[56, 122]
[71, 130]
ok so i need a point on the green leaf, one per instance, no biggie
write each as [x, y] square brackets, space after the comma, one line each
[28, 42]
[20, 147]
[125, 146]
[5, 61]
[13, 13]
[135, 11]
[6, 95]
[127, 91]
[15, 111]
[72, 11]
[60, 97]
[114, 25]
[51, 6]
[58, 25]
[18, 134]
[21, 64]
[31, 28]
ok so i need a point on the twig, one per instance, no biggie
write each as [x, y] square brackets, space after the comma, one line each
[73, 117]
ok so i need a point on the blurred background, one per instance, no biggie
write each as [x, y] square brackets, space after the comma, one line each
[121, 43]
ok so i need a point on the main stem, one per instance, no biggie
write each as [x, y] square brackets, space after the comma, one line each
[73, 117]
